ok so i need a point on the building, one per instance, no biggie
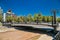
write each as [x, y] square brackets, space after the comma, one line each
[10, 13]
[1, 10]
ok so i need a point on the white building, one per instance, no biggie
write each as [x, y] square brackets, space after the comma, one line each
[4, 17]
[1, 10]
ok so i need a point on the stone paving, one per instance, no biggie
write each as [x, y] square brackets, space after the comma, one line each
[45, 37]
[22, 35]
[17, 35]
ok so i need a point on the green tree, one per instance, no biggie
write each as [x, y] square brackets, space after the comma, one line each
[25, 19]
[18, 19]
[0, 17]
[14, 19]
[58, 19]
[9, 18]
[21, 19]
[1, 11]
[40, 18]
[49, 19]
[44, 19]
[35, 17]
[29, 18]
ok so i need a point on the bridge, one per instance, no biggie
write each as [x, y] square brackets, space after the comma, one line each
[42, 25]
[33, 25]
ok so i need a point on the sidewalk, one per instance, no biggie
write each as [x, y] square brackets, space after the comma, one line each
[45, 37]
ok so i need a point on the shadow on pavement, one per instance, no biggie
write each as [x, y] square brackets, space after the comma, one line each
[36, 30]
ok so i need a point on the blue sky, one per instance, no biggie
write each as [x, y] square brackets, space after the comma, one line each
[25, 7]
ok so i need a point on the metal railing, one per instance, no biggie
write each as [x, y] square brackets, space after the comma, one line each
[57, 36]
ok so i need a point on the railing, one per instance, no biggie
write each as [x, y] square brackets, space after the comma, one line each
[6, 24]
[57, 36]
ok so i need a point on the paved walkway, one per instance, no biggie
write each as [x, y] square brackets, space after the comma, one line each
[17, 35]
[45, 37]
[23, 35]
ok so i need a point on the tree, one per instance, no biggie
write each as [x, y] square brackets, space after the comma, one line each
[1, 11]
[14, 19]
[35, 17]
[18, 19]
[40, 18]
[0, 17]
[44, 19]
[21, 19]
[29, 18]
[58, 19]
[49, 18]
[25, 19]
[9, 19]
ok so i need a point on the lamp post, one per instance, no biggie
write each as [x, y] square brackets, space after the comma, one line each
[54, 20]
[37, 20]
[54, 16]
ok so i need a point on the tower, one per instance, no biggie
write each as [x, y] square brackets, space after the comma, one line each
[4, 17]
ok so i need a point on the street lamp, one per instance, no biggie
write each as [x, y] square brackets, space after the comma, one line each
[54, 12]
[54, 23]
[54, 18]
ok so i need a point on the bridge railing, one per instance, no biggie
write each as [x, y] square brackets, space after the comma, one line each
[57, 36]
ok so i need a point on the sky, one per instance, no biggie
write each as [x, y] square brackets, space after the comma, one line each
[25, 7]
